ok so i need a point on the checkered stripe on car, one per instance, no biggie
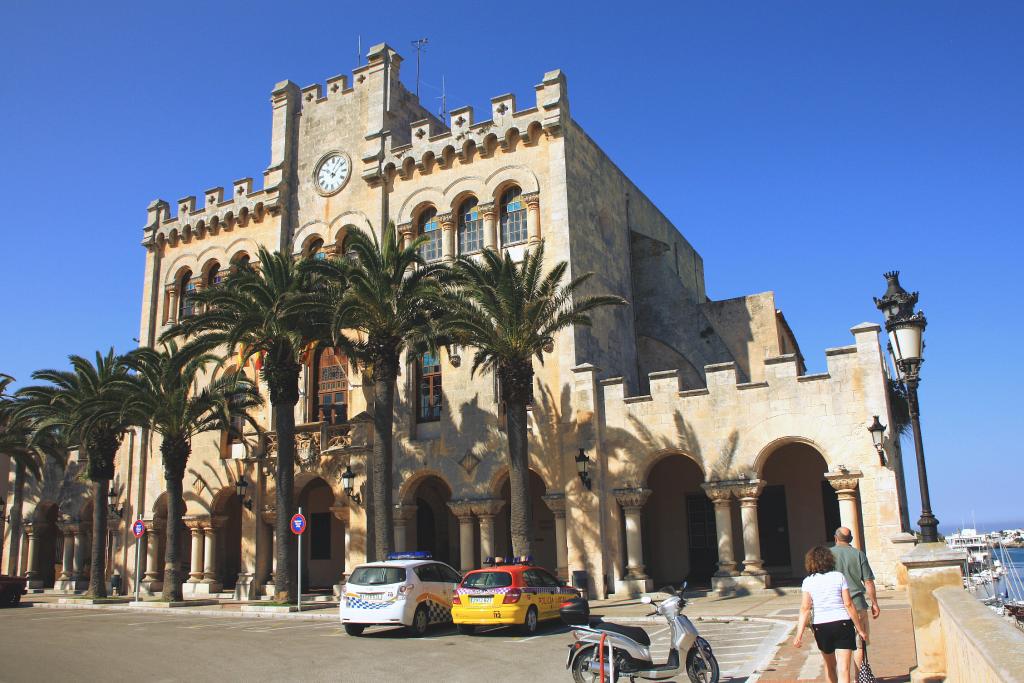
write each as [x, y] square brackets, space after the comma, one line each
[357, 603]
[480, 591]
[438, 613]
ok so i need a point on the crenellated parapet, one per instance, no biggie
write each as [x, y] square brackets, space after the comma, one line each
[217, 212]
[431, 144]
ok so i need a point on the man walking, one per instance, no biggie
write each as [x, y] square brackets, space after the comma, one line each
[853, 564]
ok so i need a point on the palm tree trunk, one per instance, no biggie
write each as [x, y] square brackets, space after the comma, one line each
[175, 453]
[98, 562]
[284, 394]
[381, 481]
[520, 522]
[15, 524]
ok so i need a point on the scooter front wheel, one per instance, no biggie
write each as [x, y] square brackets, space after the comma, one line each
[701, 665]
[586, 669]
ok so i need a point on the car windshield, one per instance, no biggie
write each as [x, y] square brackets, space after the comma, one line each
[377, 576]
[487, 580]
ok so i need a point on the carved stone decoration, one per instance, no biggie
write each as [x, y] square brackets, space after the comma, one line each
[462, 509]
[555, 503]
[502, 108]
[632, 497]
[749, 490]
[718, 491]
[486, 506]
[469, 462]
[844, 480]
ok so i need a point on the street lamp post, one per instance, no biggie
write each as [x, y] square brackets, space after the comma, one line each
[906, 345]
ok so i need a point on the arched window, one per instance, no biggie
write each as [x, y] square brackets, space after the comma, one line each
[240, 261]
[315, 249]
[471, 227]
[428, 394]
[213, 275]
[428, 225]
[331, 375]
[186, 296]
[513, 217]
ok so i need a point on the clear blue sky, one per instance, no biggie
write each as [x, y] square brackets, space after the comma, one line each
[803, 148]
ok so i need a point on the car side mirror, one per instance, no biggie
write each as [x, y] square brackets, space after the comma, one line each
[646, 599]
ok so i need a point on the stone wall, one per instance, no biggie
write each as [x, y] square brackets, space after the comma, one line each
[980, 646]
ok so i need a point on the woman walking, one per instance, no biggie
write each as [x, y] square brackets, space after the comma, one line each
[836, 621]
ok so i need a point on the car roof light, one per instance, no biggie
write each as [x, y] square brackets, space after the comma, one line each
[411, 555]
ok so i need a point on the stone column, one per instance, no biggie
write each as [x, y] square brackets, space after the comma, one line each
[845, 484]
[405, 235]
[67, 569]
[80, 550]
[556, 503]
[172, 303]
[489, 215]
[341, 513]
[209, 581]
[930, 566]
[33, 574]
[404, 513]
[151, 581]
[269, 518]
[721, 495]
[533, 216]
[195, 574]
[447, 222]
[748, 493]
[485, 511]
[463, 510]
[632, 501]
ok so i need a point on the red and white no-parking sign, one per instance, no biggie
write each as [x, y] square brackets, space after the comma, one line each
[139, 528]
[298, 524]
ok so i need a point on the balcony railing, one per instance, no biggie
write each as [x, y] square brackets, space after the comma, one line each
[316, 440]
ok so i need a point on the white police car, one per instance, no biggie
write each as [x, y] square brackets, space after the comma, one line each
[409, 589]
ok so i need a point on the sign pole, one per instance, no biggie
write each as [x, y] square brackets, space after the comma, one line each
[138, 552]
[300, 567]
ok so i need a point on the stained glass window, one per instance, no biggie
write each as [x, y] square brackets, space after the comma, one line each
[429, 226]
[471, 227]
[513, 217]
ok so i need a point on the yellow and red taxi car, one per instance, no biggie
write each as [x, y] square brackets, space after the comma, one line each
[508, 593]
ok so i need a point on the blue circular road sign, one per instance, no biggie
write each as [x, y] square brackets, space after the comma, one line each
[139, 528]
[298, 524]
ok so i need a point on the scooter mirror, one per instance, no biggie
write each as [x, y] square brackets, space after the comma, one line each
[685, 584]
[646, 599]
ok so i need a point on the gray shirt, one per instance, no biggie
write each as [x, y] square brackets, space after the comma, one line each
[854, 566]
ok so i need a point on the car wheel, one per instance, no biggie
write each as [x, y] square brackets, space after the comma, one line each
[354, 629]
[420, 621]
[466, 629]
[530, 623]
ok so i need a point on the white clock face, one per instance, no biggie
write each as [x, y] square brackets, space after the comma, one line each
[332, 173]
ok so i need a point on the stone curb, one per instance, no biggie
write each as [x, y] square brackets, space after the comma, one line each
[187, 611]
[696, 620]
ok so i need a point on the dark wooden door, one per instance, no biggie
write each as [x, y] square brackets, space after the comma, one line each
[703, 538]
[773, 524]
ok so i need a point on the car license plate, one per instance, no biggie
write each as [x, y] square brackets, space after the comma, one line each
[481, 599]
[372, 596]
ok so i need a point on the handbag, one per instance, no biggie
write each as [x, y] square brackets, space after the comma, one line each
[864, 674]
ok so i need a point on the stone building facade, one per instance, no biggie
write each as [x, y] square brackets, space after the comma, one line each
[713, 455]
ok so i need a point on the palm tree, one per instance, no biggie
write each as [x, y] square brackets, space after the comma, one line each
[19, 442]
[387, 303]
[68, 407]
[161, 395]
[265, 313]
[510, 313]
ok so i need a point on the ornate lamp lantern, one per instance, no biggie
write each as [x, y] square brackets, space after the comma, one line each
[905, 328]
[348, 481]
[240, 487]
[582, 463]
[877, 430]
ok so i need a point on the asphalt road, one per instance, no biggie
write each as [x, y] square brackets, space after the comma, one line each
[115, 645]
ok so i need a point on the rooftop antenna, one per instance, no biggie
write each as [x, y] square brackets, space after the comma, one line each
[444, 102]
[359, 51]
[420, 45]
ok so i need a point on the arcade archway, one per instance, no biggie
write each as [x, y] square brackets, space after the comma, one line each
[323, 546]
[679, 535]
[544, 543]
[797, 510]
[433, 528]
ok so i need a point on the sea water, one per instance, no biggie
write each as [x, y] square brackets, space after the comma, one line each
[1012, 582]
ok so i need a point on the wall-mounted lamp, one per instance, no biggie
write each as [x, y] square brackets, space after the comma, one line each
[240, 486]
[877, 430]
[348, 482]
[112, 502]
[582, 462]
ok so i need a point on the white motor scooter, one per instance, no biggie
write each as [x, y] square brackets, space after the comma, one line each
[605, 652]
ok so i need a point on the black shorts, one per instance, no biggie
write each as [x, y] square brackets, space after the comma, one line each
[835, 635]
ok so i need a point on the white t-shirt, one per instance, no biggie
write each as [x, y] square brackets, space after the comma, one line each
[827, 596]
